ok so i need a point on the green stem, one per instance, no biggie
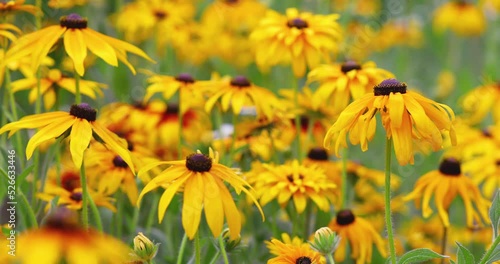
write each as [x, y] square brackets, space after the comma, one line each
[25, 202]
[85, 197]
[78, 94]
[388, 218]
[197, 248]
[95, 213]
[182, 249]
[223, 250]
[15, 116]
[329, 258]
[150, 218]
[215, 257]
[490, 251]
[343, 180]
[443, 242]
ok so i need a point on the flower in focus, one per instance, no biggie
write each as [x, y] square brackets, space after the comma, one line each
[295, 181]
[406, 116]
[480, 101]
[62, 240]
[301, 39]
[48, 87]
[464, 19]
[10, 6]
[344, 81]
[292, 251]
[360, 235]
[445, 184]
[77, 39]
[238, 92]
[201, 178]
[79, 124]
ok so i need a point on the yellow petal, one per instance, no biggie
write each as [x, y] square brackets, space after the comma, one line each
[51, 131]
[74, 43]
[194, 191]
[167, 196]
[231, 212]
[81, 133]
[100, 47]
[115, 143]
[214, 211]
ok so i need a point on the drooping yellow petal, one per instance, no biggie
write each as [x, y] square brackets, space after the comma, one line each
[169, 193]
[231, 212]
[115, 143]
[194, 192]
[100, 47]
[214, 211]
[51, 131]
[81, 133]
[74, 43]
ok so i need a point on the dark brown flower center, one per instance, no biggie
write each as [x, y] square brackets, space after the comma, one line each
[70, 181]
[73, 21]
[297, 23]
[349, 66]
[450, 167]
[487, 133]
[303, 260]
[185, 78]
[291, 179]
[76, 196]
[62, 219]
[160, 14]
[119, 162]
[172, 109]
[240, 81]
[318, 154]
[83, 111]
[345, 217]
[389, 86]
[198, 162]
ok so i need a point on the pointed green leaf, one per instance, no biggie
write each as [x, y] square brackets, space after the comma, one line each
[419, 255]
[495, 214]
[464, 256]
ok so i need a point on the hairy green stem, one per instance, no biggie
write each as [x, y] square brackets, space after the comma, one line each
[85, 197]
[443, 242]
[388, 217]
[490, 251]
[78, 94]
[223, 250]
[197, 248]
[180, 254]
[329, 258]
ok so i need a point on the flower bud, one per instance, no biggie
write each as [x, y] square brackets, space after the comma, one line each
[230, 244]
[144, 248]
[325, 241]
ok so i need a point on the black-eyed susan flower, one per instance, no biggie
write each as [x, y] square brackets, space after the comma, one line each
[238, 92]
[234, 16]
[301, 39]
[202, 180]
[292, 251]
[464, 19]
[296, 182]
[481, 101]
[77, 39]
[484, 171]
[406, 32]
[62, 240]
[405, 115]
[345, 81]
[359, 234]
[10, 6]
[79, 124]
[445, 184]
[52, 80]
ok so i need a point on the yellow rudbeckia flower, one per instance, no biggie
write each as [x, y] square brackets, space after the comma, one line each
[9, 7]
[292, 250]
[406, 116]
[445, 184]
[79, 124]
[464, 19]
[201, 178]
[77, 39]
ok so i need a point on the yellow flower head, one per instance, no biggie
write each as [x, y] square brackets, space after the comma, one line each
[406, 116]
[77, 39]
[295, 181]
[11, 6]
[48, 84]
[292, 251]
[462, 18]
[79, 124]
[480, 101]
[344, 81]
[201, 178]
[360, 235]
[238, 92]
[296, 38]
[445, 184]
[61, 240]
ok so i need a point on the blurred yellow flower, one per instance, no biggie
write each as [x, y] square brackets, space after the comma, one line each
[201, 178]
[405, 116]
[445, 184]
[298, 38]
[360, 235]
[480, 101]
[8, 7]
[66, 3]
[77, 39]
[464, 19]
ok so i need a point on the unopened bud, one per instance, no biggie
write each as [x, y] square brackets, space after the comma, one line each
[230, 244]
[144, 248]
[325, 241]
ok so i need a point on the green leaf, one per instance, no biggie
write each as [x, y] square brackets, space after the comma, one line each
[419, 255]
[495, 214]
[452, 262]
[495, 256]
[464, 256]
